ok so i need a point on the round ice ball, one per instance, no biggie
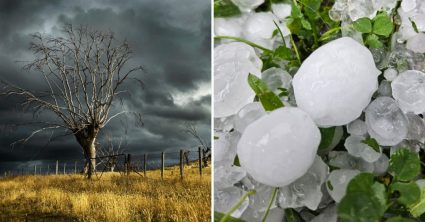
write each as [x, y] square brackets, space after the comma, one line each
[409, 91]
[336, 82]
[232, 64]
[279, 147]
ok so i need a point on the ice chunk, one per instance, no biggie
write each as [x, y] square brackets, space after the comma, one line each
[305, 191]
[224, 124]
[416, 127]
[390, 74]
[408, 5]
[338, 181]
[416, 43]
[248, 114]
[283, 142]
[276, 78]
[233, 62]
[343, 160]
[225, 199]
[381, 165]
[328, 215]
[361, 8]
[225, 147]
[357, 148]
[247, 5]
[336, 82]
[384, 88]
[385, 121]
[259, 28]
[260, 200]
[409, 91]
[228, 26]
[227, 176]
[252, 215]
[281, 10]
[357, 127]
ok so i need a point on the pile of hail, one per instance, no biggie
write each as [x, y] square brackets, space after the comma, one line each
[318, 110]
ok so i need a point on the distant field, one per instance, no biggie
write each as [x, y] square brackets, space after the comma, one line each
[112, 198]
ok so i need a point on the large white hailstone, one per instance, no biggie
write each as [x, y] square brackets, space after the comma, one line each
[233, 62]
[279, 147]
[409, 91]
[416, 43]
[259, 28]
[336, 82]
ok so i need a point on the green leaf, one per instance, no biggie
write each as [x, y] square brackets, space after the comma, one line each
[292, 216]
[306, 24]
[218, 216]
[409, 192]
[311, 8]
[236, 161]
[363, 182]
[418, 208]
[225, 8]
[400, 219]
[268, 99]
[327, 137]
[363, 25]
[373, 41]
[382, 25]
[415, 27]
[283, 52]
[284, 92]
[296, 11]
[404, 165]
[371, 142]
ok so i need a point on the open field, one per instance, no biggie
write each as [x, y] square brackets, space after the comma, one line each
[112, 198]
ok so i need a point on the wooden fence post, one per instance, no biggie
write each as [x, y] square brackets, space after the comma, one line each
[128, 164]
[75, 167]
[35, 170]
[181, 164]
[200, 160]
[64, 168]
[57, 167]
[162, 164]
[48, 169]
[145, 157]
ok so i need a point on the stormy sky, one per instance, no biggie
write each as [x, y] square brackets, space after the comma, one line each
[169, 38]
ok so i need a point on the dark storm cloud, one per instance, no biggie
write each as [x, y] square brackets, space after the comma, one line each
[170, 39]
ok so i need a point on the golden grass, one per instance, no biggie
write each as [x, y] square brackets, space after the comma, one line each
[114, 197]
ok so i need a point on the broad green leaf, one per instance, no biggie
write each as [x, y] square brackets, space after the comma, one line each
[418, 208]
[363, 25]
[311, 8]
[404, 165]
[296, 11]
[283, 52]
[306, 24]
[363, 182]
[327, 137]
[225, 8]
[409, 192]
[218, 216]
[371, 142]
[382, 25]
[268, 99]
[400, 219]
[373, 41]
[380, 192]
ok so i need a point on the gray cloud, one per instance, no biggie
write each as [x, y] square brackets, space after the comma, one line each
[170, 38]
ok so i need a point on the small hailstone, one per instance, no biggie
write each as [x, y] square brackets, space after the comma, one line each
[276, 78]
[409, 91]
[384, 88]
[413, 146]
[385, 121]
[336, 82]
[225, 199]
[357, 127]
[381, 165]
[357, 148]
[225, 148]
[279, 147]
[233, 62]
[281, 10]
[305, 191]
[247, 5]
[416, 43]
[248, 114]
[416, 127]
[259, 28]
[224, 124]
[344, 160]
[227, 176]
[408, 5]
[390, 74]
[227, 27]
[361, 8]
[338, 181]
[260, 200]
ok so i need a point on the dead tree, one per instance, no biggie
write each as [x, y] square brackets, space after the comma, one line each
[84, 70]
[206, 150]
[110, 152]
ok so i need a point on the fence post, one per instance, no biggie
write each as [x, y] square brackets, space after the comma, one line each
[35, 170]
[162, 164]
[57, 167]
[200, 160]
[64, 168]
[181, 164]
[40, 171]
[128, 164]
[48, 169]
[75, 167]
[145, 164]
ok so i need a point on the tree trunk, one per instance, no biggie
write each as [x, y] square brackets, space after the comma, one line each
[87, 139]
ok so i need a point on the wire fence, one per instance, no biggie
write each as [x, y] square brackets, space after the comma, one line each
[124, 163]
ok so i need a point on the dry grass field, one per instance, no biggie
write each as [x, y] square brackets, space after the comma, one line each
[112, 198]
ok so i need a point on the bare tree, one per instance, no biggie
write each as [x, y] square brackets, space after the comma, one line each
[83, 70]
[191, 129]
[109, 153]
